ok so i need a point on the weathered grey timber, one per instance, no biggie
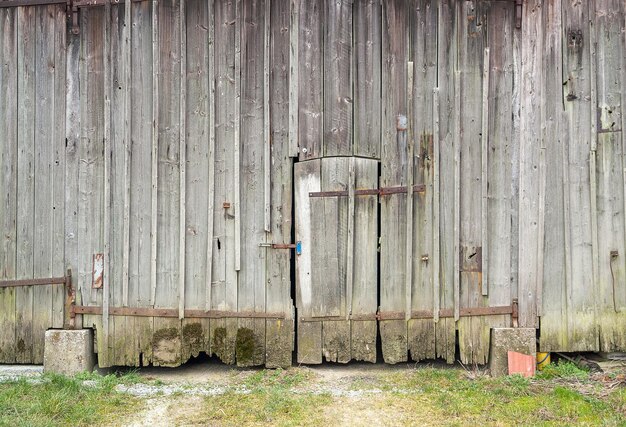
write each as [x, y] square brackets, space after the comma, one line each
[8, 182]
[393, 173]
[161, 135]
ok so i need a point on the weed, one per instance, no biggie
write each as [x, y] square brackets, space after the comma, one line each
[561, 369]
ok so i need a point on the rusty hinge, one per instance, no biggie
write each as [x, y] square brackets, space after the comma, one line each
[297, 246]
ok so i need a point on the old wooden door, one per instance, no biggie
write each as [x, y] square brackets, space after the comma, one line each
[337, 225]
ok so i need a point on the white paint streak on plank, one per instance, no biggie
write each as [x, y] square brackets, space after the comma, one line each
[182, 159]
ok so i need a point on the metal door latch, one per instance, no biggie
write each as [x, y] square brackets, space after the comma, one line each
[297, 246]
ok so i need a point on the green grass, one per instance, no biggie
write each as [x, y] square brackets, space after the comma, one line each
[563, 369]
[56, 400]
[560, 395]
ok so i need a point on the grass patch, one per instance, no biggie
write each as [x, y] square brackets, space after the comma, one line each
[563, 369]
[56, 400]
[263, 407]
[277, 378]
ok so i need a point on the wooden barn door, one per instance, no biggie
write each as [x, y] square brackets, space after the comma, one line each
[337, 227]
[428, 197]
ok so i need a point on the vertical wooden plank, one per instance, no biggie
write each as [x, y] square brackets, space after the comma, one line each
[121, 342]
[198, 175]
[251, 290]
[166, 346]
[211, 177]
[310, 70]
[224, 276]
[26, 34]
[330, 258]
[337, 70]
[8, 180]
[294, 48]
[105, 354]
[58, 166]
[43, 122]
[367, 78]
[472, 41]
[364, 293]
[127, 148]
[484, 183]
[350, 243]
[182, 160]
[446, 81]
[578, 213]
[140, 224]
[457, 165]
[237, 136]
[266, 119]
[556, 247]
[393, 173]
[408, 269]
[307, 178]
[279, 333]
[498, 174]
[530, 124]
[437, 198]
[154, 164]
[422, 170]
[72, 138]
[609, 122]
[155, 149]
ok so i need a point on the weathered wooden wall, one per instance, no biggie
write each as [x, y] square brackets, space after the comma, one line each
[175, 137]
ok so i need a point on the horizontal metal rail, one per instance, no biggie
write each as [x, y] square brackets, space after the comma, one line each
[18, 3]
[424, 314]
[34, 282]
[420, 188]
[173, 313]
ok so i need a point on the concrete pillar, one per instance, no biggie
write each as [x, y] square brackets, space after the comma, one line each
[503, 340]
[69, 352]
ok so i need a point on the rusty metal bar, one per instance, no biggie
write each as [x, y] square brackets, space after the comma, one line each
[174, 313]
[420, 188]
[33, 282]
[425, 314]
[18, 3]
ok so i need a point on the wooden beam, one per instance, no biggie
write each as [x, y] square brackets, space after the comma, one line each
[237, 202]
[436, 207]
[155, 149]
[127, 148]
[350, 243]
[211, 195]
[266, 123]
[293, 77]
[106, 291]
[485, 175]
[182, 160]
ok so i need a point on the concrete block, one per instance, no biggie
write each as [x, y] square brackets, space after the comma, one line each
[68, 352]
[503, 340]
